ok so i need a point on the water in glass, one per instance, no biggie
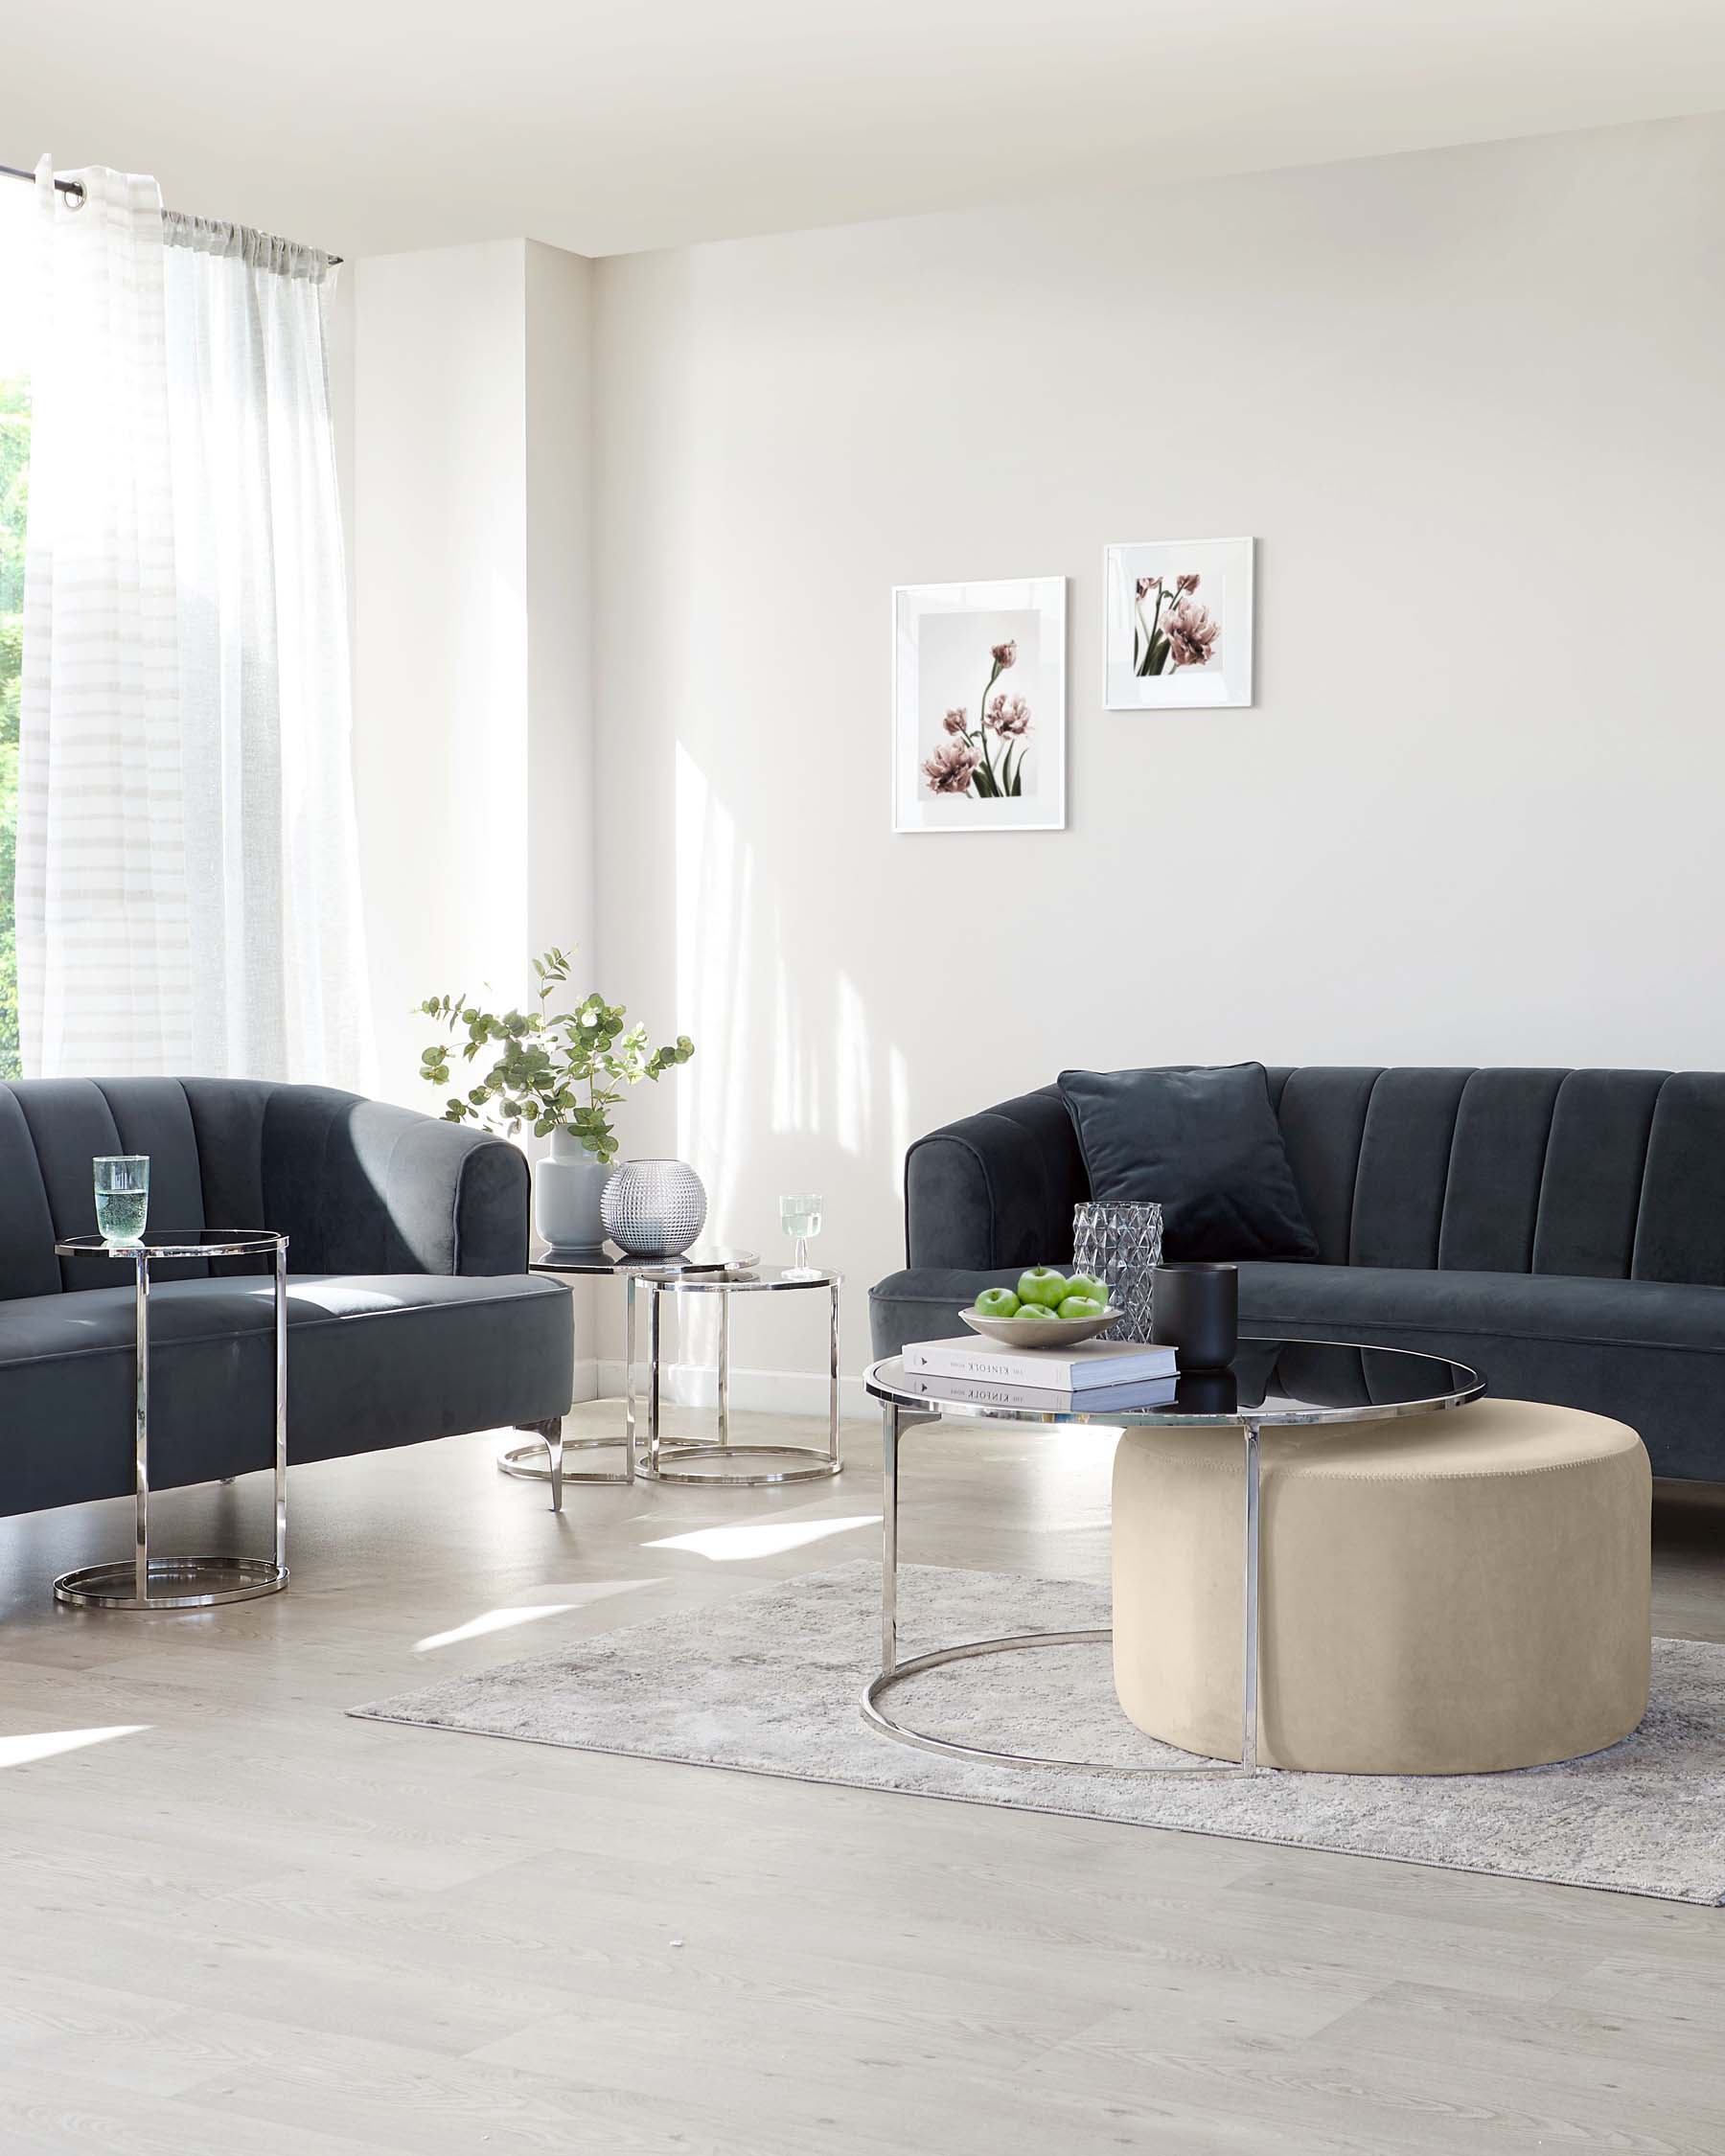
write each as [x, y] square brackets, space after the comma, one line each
[122, 1197]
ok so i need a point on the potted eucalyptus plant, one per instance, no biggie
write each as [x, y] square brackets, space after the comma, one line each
[557, 1074]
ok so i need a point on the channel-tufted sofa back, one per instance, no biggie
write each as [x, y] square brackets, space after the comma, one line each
[359, 1186]
[1601, 1174]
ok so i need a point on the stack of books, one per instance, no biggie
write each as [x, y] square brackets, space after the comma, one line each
[1097, 1374]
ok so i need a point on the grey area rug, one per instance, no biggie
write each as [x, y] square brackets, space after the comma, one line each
[770, 1683]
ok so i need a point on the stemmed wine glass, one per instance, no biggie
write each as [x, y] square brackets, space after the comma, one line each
[800, 1217]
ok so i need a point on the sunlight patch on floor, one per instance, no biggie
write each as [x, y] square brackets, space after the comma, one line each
[765, 1538]
[489, 1621]
[44, 1744]
[510, 1614]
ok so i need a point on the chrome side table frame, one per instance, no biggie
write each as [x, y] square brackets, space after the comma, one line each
[543, 1461]
[185, 1583]
[895, 1422]
[650, 1460]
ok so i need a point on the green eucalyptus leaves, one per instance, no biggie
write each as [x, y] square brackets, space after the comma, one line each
[562, 1071]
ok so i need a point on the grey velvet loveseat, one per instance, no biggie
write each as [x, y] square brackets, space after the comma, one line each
[410, 1312]
[1563, 1231]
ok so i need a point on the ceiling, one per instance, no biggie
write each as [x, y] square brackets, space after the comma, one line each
[371, 125]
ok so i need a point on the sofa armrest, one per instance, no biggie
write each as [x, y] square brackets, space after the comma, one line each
[363, 1186]
[995, 1189]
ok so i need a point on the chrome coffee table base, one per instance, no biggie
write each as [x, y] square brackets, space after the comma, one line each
[171, 1583]
[897, 1420]
[877, 1718]
[1286, 1384]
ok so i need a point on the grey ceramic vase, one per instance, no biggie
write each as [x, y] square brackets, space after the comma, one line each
[654, 1209]
[566, 1189]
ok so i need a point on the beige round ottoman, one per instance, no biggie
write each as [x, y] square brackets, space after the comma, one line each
[1442, 1594]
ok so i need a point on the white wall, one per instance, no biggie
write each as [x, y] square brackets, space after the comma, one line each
[440, 659]
[561, 805]
[472, 714]
[469, 501]
[1470, 404]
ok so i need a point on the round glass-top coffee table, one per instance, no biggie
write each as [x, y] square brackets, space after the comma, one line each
[143, 1582]
[1271, 1384]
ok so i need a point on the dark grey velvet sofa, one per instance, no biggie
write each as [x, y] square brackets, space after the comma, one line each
[410, 1312]
[1561, 1230]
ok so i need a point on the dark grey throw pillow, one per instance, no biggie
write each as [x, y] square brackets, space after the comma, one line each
[1202, 1143]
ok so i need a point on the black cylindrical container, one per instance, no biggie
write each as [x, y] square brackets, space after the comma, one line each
[1206, 1392]
[1196, 1309]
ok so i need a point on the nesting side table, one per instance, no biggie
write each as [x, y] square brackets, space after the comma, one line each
[683, 1452]
[605, 1261]
[185, 1583]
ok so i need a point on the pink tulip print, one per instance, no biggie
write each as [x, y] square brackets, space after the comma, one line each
[985, 759]
[1171, 629]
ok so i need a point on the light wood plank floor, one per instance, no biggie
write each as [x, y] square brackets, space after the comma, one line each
[253, 1924]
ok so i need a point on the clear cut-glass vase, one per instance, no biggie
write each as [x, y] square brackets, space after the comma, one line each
[1121, 1244]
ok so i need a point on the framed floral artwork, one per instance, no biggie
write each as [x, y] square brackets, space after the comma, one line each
[979, 699]
[1178, 624]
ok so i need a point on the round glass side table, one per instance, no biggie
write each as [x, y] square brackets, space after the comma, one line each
[541, 1462]
[185, 1583]
[662, 1461]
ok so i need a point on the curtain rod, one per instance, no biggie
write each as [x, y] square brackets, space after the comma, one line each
[76, 187]
[65, 186]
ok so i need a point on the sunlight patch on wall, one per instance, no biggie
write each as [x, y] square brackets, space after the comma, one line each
[716, 936]
[856, 1089]
[795, 1095]
[898, 1111]
[489, 797]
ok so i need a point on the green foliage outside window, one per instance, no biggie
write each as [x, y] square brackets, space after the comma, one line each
[14, 468]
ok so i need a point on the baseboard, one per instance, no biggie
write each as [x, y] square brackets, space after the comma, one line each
[693, 1385]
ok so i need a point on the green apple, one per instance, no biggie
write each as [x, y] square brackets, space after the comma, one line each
[1087, 1284]
[1080, 1306]
[996, 1302]
[1042, 1284]
[1034, 1309]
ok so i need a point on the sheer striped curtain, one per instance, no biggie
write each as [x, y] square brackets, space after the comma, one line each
[265, 721]
[105, 946]
[188, 887]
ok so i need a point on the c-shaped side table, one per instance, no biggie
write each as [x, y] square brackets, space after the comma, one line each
[185, 1583]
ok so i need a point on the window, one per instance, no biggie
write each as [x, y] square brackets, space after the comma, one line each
[14, 476]
[14, 471]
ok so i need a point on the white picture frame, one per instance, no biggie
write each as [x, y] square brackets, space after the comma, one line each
[1200, 589]
[958, 701]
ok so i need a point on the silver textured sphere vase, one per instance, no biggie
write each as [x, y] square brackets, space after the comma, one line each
[654, 1209]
